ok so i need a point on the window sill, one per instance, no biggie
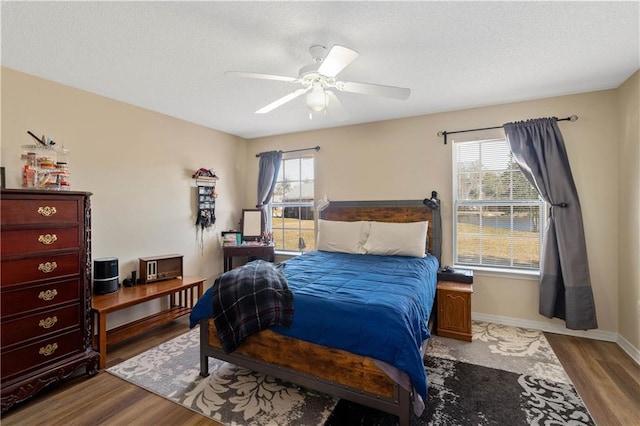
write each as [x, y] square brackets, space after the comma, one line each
[502, 273]
[288, 253]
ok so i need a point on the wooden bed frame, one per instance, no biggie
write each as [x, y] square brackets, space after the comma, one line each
[329, 370]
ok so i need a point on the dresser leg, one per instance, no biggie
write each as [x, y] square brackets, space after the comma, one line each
[102, 339]
[92, 366]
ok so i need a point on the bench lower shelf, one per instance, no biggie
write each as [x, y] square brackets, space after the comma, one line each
[140, 326]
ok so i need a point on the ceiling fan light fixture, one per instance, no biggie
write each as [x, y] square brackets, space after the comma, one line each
[319, 83]
[317, 99]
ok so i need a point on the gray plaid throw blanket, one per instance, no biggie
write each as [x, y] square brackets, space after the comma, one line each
[249, 299]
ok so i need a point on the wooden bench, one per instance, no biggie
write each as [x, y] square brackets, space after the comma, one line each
[180, 293]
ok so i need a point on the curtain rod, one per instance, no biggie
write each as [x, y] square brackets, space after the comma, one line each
[445, 133]
[317, 148]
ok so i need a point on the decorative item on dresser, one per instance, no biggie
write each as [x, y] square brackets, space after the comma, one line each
[45, 289]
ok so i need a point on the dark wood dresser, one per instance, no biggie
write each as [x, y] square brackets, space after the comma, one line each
[45, 320]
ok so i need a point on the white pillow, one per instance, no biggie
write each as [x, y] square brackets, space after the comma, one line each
[344, 237]
[397, 239]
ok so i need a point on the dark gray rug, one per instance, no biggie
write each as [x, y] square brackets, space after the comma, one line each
[506, 376]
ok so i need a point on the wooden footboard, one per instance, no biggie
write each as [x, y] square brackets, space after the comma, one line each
[333, 371]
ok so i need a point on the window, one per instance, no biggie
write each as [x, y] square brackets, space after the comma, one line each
[292, 205]
[499, 216]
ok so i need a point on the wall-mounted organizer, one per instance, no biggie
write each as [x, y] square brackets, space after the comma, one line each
[206, 197]
[45, 167]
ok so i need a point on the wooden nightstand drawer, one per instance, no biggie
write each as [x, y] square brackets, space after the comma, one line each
[39, 240]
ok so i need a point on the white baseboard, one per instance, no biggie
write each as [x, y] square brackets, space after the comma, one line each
[607, 336]
[629, 349]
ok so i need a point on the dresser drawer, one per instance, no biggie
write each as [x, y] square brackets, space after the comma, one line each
[39, 325]
[38, 240]
[20, 212]
[249, 250]
[40, 354]
[18, 300]
[38, 268]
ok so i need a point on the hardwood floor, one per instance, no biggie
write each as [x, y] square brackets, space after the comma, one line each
[106, 399]
[606, 378]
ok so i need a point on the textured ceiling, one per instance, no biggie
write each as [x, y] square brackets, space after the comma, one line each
[170, 57]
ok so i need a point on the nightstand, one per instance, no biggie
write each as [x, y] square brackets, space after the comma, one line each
[265, 252]
[454, 310]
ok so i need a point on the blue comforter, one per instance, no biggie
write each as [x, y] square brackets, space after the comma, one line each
[375, 306]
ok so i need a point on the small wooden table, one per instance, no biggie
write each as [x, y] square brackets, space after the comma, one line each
[180, 293]
[266, 252]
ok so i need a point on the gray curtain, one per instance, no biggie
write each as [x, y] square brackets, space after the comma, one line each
[267, 175]
[565, 285]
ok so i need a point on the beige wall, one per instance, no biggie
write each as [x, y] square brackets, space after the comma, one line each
[138, 165]
[629, 214]
[404, 159]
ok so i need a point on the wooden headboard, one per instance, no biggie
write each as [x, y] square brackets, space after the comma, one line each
[390, 211]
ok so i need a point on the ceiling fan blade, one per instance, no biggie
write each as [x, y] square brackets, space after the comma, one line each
[400, 93]
[283, 100]
[336, 110]
[260, 76]
[337, 60]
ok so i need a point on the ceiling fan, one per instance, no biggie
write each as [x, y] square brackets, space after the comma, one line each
[318, 82]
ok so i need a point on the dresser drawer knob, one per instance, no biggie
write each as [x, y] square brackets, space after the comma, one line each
[47, 211]
[48, 322]
[48, 350]
[48, 294]
[47, 267]
[48, 239]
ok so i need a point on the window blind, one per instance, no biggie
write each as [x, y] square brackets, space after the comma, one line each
[499, 216]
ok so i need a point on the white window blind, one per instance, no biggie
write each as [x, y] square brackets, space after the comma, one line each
[499, 216]
[292, 204]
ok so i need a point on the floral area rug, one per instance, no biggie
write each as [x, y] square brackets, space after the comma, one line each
[231, 395]
[506, 376]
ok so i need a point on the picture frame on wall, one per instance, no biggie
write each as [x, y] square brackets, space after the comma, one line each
[3, 182]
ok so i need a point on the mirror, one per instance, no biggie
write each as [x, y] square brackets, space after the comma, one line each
[252, 224]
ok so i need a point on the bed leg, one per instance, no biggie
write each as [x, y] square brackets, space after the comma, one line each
[204, 365]
[404, 405]
[204, 358]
